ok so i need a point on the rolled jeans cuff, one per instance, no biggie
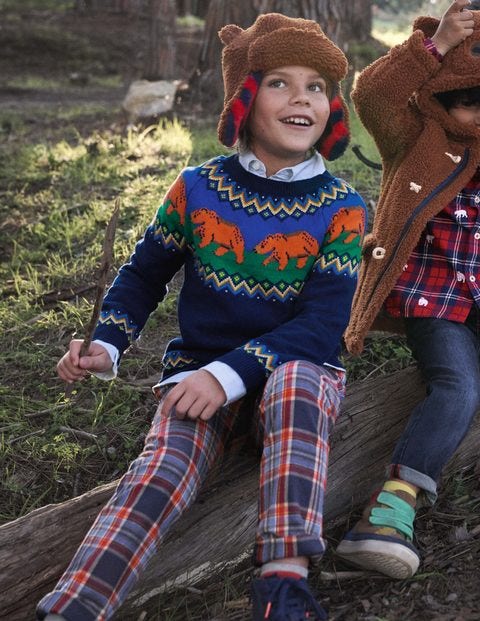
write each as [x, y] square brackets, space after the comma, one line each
[427, 485]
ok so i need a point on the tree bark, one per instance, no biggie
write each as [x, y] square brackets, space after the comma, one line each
[341, 20]
[206, 84]
[161, 54]
[219, 529]
[344, 21]
[123, 7]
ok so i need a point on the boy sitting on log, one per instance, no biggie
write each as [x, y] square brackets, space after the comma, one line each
[270, 245]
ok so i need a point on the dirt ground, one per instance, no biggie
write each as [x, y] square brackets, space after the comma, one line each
[447, 586]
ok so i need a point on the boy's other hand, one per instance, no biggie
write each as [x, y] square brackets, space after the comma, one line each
[454, 27]
[199, 395]
[71, 367]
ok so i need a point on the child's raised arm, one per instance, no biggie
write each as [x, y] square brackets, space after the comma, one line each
[455, 26]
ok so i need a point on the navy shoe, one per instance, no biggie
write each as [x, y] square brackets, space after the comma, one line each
[284, 599]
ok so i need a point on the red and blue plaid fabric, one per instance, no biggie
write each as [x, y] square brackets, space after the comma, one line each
[442, 276]
[299, 407]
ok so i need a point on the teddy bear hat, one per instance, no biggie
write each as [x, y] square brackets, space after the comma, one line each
[272, 41]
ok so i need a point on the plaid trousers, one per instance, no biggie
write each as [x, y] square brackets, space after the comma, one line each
[294, 417]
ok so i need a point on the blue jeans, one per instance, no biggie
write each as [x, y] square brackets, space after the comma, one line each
[448, 357]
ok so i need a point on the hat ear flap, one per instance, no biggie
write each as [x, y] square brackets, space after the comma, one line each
[237, 110]
[336, 135]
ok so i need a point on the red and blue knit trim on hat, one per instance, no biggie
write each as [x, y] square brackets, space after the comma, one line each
[336, 135]
[240, 108]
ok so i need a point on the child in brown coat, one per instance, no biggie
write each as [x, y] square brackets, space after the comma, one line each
[421, 268]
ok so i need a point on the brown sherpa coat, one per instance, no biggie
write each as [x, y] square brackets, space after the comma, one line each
[427, 158]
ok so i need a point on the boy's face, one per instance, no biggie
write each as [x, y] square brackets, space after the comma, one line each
[288, 117]
[467, 114]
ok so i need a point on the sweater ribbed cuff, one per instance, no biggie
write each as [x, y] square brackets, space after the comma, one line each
[247, 366]
[112, 335]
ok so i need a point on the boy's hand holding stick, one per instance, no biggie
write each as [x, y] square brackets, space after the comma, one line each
[105, 265]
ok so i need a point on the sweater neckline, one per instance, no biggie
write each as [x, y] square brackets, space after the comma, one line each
[231, 166]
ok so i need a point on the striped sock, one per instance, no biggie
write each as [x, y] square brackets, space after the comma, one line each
[393, 485]
[283, 569]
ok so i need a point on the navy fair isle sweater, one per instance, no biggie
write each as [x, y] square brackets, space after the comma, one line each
[270, 270]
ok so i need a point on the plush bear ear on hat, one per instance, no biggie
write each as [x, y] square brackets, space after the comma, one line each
[336, 135]
[228, 33]
[428, 25]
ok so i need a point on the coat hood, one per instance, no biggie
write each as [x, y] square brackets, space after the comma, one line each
[460, 68]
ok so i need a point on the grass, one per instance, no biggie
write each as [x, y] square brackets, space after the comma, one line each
[55, 201]
[56, 197]
[61, 167]
[363, 178]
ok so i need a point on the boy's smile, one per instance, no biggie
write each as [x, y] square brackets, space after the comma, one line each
[289, 115]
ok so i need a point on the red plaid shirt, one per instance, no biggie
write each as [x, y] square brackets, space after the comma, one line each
[442, 276]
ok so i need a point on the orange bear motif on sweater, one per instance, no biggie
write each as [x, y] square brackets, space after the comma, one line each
[211, 228]
[351, 221]
[300, 245]
[178, 200]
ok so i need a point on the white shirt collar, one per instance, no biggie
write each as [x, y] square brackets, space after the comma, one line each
[307, 169]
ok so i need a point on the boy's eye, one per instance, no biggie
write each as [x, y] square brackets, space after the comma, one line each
[315, 87]
[277, 83]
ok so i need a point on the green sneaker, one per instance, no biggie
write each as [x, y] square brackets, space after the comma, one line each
[382, 539]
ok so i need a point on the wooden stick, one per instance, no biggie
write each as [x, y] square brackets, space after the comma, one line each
[105, 265]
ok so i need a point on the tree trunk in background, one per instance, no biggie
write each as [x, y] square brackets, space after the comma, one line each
[192, 7]
[202, 8]
[123, 7]
[356, 22]
[341, 20]
[344, 21]
[186, 7]
[160, 59]
[206, 85]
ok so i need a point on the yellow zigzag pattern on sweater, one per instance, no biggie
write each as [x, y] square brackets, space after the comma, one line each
[237, 284]
[269, 361]
[241, 200]
[175, 359]
[342, 263]
[121, 321]
[169, 238]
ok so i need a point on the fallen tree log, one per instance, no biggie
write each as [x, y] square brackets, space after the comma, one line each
[218, 531]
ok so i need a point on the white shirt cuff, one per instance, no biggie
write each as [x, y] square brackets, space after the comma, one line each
[114, 355]
[230, 380]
